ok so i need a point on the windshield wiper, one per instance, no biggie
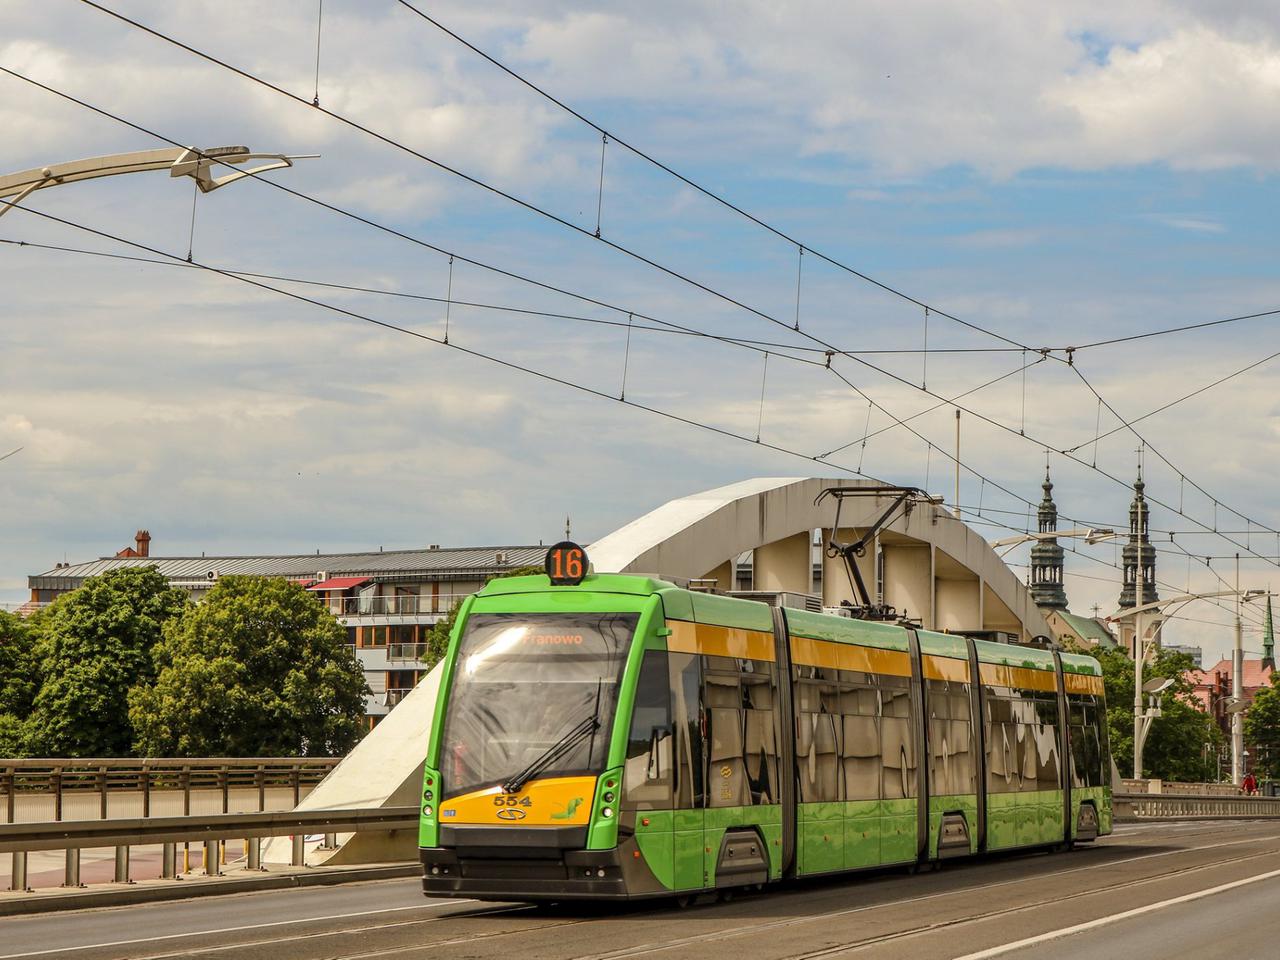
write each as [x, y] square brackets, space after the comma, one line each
[553, 753]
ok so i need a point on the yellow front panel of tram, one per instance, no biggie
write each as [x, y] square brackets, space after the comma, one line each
[555, 802]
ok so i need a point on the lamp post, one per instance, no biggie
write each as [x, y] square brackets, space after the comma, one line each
[1144, 713]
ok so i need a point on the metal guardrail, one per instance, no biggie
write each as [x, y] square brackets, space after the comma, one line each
[1156, 806]
[62, 780]
[21, 839]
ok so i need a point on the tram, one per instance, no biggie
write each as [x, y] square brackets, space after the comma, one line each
[604, 736]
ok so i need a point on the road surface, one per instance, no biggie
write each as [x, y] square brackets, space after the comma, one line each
[1204, 890]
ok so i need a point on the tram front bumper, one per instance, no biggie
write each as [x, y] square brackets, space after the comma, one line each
[521, 874]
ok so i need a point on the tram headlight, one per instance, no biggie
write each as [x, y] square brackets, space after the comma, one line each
[608, 798]
[426, 810]
[428, 795]
[607, 812]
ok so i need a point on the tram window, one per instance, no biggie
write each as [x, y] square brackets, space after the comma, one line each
[686, 713]
[897, 739]
[860, 746]
[647, 775]
[1087, 734]
[818, 736]
[742, 741]
[951, 764]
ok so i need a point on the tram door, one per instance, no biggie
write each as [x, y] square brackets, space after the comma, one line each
[663, 779]
[688, 771]
[648, 775]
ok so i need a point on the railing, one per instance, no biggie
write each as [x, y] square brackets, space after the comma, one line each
[396, 694]
[1157, 806]
[1181, 788]
[59, 789]
[408, 651]
[394, 606]
[22, 839]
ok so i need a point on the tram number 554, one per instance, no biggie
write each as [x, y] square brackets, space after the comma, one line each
[566, 564]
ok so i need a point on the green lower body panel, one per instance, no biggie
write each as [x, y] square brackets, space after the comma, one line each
[1029, 819]
[851, 835]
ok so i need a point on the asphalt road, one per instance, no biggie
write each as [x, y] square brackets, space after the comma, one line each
[1167, 891]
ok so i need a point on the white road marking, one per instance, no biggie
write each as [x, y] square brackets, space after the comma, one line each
[1115, 917]
[660, 947]
[240, 929]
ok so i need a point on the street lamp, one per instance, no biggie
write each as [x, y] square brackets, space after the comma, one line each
[1144, 714]
[179, 161]
[1089, 535]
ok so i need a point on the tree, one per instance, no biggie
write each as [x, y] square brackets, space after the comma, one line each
[1176, 744]
[94, 645]
[1262, 730]
[19, 680]
[258, 669]
[437, 638]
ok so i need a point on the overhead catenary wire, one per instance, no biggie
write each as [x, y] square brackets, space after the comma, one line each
[419, 335]
[527, 205]
[556, 218]
[497, 270]
[1173, 403]
[705, 191]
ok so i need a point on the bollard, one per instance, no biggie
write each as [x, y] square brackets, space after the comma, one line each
[253, 846]
[211, 858]
[122, 865]
[18, 878]
[299, 850]
[169, 862]
[71, 878]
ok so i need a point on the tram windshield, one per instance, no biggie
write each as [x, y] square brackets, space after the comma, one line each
[524, 682]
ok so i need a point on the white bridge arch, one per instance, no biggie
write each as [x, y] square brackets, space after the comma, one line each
[935, 567]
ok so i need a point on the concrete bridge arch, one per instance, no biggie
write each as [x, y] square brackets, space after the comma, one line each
[933, 566]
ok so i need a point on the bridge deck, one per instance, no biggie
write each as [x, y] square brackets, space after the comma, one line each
[1168, 876]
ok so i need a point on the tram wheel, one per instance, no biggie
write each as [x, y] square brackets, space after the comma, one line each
[686, 901]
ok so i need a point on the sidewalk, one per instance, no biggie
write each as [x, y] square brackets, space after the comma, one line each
[50, 897]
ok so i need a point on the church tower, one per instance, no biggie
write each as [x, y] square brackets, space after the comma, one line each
[1139, 561]
[1139, 555]
[1047, 556]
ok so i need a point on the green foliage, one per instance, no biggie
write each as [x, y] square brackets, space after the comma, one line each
[19, 680]
[437, 639]
[1176, 746]
[1262, 731]
[94, 644]
[257, 669]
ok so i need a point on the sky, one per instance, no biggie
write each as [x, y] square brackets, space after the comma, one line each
[1055, 174]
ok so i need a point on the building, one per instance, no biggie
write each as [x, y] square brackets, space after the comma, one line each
[1195, 653]
[1048, 590]
[1212, 692]
[387, 600]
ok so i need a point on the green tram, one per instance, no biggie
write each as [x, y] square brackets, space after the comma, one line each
[616, 736]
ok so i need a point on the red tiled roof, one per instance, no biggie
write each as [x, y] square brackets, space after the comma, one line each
[1255, 675]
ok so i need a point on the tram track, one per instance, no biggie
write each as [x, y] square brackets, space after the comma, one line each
[923, 929]
[790, 922]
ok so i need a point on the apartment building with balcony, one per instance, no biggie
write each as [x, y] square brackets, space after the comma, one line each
[387, 600]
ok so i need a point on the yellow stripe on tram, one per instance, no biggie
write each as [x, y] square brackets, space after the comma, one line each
[711, 640]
